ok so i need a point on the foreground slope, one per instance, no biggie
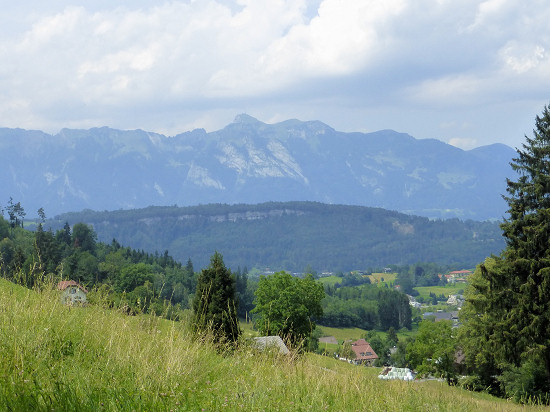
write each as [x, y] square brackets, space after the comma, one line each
[59, 358]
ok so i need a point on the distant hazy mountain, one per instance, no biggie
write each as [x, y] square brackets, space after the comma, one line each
[249, 161]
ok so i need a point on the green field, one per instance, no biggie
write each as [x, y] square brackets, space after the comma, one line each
[330, 280]
[91, 358]
[446, 290]
[342, 334]
[376, 278]
[13, 291]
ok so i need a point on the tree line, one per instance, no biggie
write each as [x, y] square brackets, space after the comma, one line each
[366, 307]
[120, 275]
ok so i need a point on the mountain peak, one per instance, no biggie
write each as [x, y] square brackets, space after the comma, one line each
[245, 118]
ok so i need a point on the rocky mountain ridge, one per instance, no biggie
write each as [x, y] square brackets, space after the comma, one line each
[249, 161]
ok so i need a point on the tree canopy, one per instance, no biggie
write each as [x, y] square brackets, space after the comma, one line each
[507, 316]
[433, 350]
[287, 306]
[115, 276]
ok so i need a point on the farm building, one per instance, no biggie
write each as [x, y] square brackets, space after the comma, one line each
[364, 354]
[72, 293]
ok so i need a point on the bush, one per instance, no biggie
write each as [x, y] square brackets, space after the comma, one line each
[528, 383]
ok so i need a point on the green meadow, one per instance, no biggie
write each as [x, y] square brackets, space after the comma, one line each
[449, 289]
[382, 279]
[60, 358]
[342, 334]
[330, 280]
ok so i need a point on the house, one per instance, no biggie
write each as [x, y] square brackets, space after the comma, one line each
[271, 342]
[413, 303]
[72, 293]
[439, 316]
[364, 354]
[460, 273]
[458, 276]
[455, 300]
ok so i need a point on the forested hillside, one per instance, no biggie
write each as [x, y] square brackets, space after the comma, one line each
[294, 235]
[140, 282]
[118, 276]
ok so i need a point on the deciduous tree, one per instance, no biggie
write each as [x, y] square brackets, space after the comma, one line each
[287, 305]
[433, 351]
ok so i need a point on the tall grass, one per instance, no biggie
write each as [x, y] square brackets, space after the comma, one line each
[55, 357]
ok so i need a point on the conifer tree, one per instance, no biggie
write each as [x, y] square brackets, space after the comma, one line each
[527, 232]
[507, 316]
[215, 302]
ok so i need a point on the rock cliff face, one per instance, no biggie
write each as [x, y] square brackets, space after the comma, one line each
[249, 161]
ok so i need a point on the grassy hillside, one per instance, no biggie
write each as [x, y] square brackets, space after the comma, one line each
[91, 359]
[382, 279]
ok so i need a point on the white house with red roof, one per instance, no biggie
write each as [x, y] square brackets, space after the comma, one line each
[364, 354]
[458, 276]
[72, 293]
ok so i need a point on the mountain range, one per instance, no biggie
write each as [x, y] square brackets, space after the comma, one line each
[250, 161]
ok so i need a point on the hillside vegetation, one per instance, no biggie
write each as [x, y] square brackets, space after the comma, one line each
[59, 358]
[294, 235]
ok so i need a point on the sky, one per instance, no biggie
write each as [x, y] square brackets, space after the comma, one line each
[466, 72]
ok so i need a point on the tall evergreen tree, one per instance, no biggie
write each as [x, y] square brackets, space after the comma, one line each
[46, 249]
[508, 310]
[215, 302]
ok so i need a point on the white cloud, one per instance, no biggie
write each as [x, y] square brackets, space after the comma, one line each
[521, 58]
[174, 64]
[338, 41]
[448, 90]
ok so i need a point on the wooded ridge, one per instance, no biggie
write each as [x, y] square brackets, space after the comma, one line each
[294, 235]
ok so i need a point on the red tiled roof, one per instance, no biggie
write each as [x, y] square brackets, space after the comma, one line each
[64, 284]
[460, 272]
[363, 350]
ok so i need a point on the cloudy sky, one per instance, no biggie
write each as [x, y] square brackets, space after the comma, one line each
[466, 72]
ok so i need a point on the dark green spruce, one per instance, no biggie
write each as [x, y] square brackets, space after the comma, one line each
[215, 303]
[506, 336]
